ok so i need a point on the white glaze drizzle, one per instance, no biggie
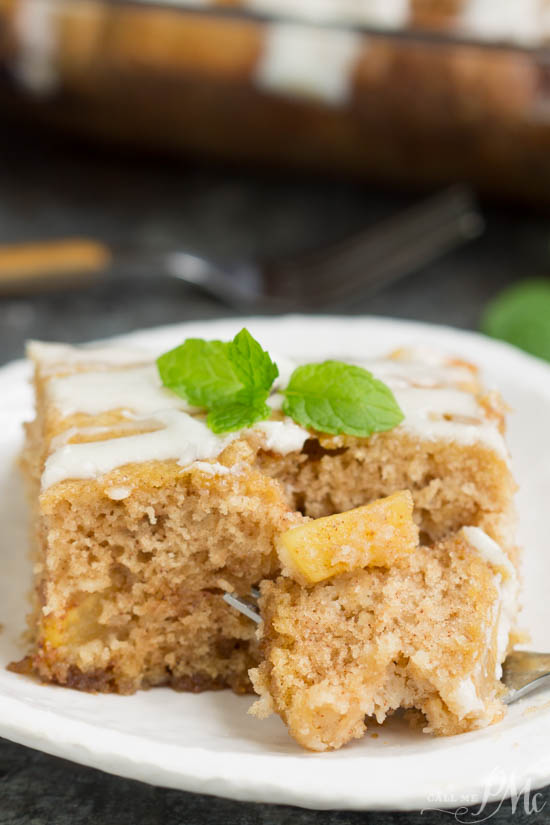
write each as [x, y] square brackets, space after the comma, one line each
[489, 550]
[213, 468]
[463, 698]
[36, 30]
[377, 13]
[53, 356]
[434, 407]
[382, 13]
[137, 390]
[118, 493]
[307, 62]
[182, 437]
[282, 436]
[402, 372]
[449, 415]
[526, 22]
[286, 367]
[92, 433]
[507, 584]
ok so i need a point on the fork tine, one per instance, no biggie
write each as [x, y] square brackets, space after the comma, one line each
[523, 671]
[455, 205]
[383, 253]
[242, 606]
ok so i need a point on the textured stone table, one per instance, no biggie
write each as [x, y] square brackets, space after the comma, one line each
[49, 190]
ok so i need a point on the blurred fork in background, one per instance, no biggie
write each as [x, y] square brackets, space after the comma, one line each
[325, 278]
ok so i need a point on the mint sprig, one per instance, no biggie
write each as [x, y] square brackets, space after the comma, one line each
[334, 397]
[230, 379]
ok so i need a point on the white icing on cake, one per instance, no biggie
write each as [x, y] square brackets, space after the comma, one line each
[37, 36]
[54, 356]
[426, 370]
[526, 22]
[376, 13]
[429, 392]
[137, 390]
[181, 437]
[211, 468]
[449, 415]
[506, 582]
[118, 493]
[306, 62]
[489, 550]
[286, 367]
[282, 436]
[463, 698]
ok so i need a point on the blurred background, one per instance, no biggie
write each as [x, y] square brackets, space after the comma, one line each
[161, 161]
[168, 161]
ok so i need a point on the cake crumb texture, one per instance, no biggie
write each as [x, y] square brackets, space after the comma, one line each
[421, 635]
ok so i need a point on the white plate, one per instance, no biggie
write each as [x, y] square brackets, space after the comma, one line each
[207, 743]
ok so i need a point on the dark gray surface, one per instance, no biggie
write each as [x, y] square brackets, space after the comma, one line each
[36, 789]
[49, 190]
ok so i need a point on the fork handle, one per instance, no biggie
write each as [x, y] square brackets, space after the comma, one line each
[43, 263]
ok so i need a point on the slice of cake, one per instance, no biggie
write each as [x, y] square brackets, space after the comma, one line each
[425, 630]
[143, 516]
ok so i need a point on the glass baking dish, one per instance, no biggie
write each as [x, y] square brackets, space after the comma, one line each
[418, 92]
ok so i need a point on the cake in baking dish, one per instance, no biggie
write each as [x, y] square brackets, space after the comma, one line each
[143, 517]
[421, 628]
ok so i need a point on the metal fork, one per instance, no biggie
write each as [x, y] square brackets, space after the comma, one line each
[523, 671]
[336, 274]
[329, 277]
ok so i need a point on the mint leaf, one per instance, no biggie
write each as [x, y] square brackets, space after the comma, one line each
[200, 371]
[232, 380]
[242, 412]
[520, 315]
[251, 363]
[334, 397]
